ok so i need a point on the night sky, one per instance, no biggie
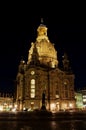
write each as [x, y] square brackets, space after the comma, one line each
[18, 30]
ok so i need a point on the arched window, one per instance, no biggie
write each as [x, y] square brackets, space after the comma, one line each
[32, 88]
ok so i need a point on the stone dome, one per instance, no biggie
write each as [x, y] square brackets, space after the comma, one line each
[46, 50]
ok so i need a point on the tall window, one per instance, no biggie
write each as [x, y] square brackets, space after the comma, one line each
[32, 89]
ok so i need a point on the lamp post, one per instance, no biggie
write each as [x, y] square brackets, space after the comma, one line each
[43, 102]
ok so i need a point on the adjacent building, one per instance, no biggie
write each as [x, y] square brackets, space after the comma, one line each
[79, 100]
[83, 92]
[6, 102]
[42, 75]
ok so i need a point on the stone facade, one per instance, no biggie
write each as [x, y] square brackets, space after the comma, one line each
[41, 74]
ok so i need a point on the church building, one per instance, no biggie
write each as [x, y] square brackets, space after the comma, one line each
[41, 75]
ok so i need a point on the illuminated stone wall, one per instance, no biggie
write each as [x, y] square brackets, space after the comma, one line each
[42, 74]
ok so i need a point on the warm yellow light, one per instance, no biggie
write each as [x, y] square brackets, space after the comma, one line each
[32, 95]
[1, 108]
[10, 106]
[53, 106]
[24, 108]
[70, 105]
[15, 105]
[14, 109]
[84, 100]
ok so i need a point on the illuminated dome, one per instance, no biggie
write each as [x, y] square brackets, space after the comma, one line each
[46, 52]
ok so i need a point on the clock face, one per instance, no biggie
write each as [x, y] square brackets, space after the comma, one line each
[32, 72]
[65, 82]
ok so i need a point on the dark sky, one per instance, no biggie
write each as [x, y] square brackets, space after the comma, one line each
[18, 30]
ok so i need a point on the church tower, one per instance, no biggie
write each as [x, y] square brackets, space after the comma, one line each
[41, 74]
